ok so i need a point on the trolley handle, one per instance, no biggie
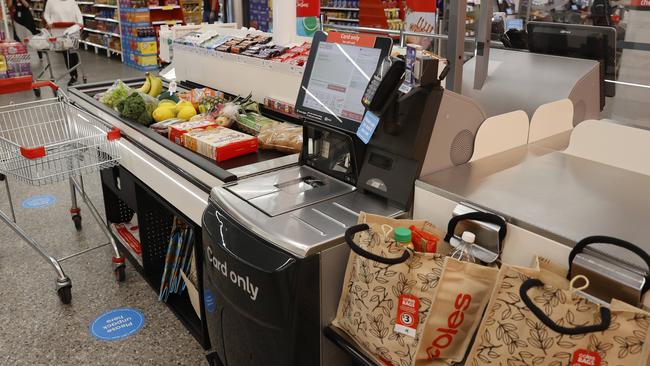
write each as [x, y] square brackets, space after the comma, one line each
[60, 25]
[44, 84]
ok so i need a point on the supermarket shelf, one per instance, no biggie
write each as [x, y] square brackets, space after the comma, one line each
[343, 20]
[337, 8]
[161, 22]
[107, 20]
[100, 46]
[85, 3]
[102, 32]
[164, 7]
[88, 15]
[105, 6]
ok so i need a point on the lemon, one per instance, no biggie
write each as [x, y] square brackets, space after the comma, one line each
[163, 113]
[166, 103]
[185, 113]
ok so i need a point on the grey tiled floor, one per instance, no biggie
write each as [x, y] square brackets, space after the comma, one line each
[35, 328]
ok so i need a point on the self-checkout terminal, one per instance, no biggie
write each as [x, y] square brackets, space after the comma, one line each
[275, 257]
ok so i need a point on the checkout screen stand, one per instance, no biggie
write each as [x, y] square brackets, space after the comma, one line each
[339, 68]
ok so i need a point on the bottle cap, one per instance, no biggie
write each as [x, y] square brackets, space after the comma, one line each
[468, 237]
[402, 235]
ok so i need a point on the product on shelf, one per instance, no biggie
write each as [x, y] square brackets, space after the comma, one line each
[128, 234]
[220, 143]
[17, 59]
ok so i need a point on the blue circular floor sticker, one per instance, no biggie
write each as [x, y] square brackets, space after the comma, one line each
[40, 201]
[117, 324]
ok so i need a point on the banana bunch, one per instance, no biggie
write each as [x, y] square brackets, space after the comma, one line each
[152, 85]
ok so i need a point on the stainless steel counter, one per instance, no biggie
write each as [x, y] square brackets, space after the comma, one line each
[558, 196]
[523, 80]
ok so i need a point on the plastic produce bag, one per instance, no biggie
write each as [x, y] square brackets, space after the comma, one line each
[284, 137]
[116, 93]
[138, 107]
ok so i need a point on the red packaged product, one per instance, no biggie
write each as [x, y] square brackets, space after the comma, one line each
[177, 131]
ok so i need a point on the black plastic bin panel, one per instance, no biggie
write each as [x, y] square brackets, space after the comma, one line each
[155, 230]
[119, 181]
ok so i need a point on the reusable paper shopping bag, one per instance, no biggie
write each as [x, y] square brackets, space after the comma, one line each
[387, 291]
[534, 318]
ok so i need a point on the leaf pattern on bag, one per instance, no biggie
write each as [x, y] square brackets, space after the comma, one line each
[369, 305]
[631, 344]
[506, 322]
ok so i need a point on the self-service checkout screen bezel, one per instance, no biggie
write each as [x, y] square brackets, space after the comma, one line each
[327, 110]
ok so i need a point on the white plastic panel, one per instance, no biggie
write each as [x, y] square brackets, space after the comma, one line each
[501, 133]
[551, 119]
[613, 144]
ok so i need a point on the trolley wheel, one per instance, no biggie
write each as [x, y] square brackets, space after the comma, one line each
[77, 221]
[120, 273]
[37, 93]
[65, 294]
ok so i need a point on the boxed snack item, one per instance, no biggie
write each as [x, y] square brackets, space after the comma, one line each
[254, 123]
[177, 131]
[220, 143]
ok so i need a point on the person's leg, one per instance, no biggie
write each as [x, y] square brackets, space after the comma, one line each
[74, 61]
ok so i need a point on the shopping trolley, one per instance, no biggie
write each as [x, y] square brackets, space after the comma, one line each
[67, 42]
[49, 141]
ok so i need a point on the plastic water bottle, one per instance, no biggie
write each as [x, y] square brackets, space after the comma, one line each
[464, 251]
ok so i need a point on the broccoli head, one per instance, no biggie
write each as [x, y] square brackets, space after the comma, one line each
[135, 109]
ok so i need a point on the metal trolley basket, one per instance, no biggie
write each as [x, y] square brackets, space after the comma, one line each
[49, 141]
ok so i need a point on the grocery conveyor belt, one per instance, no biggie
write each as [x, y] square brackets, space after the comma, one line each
[226, 171]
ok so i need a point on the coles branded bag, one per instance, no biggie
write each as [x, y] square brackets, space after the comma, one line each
[387, 290]
[409, 308]
[534, 317]
[460, 300]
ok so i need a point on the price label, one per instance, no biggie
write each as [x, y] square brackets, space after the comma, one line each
[167, 7]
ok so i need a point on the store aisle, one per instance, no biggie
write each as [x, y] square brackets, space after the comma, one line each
[37, 329]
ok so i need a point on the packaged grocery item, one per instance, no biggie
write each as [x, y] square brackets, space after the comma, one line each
[220, 143]
[176, 131]
[254, 123]
[285, 137]
[195, 96]
[163, 127]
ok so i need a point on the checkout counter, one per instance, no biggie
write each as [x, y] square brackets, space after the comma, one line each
[158, 180]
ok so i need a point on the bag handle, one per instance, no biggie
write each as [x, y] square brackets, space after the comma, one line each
[605, 313]
[349, 238]
[600, 239]
[478, 216]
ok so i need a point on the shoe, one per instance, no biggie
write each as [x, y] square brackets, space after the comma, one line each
[72, 81]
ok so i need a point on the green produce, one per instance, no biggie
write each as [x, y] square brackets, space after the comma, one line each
[136, 109]
[118, 92]
[169, 96]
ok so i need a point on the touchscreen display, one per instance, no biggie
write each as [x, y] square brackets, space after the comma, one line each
[339, 77]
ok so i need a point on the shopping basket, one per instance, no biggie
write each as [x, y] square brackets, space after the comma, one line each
[49, 141]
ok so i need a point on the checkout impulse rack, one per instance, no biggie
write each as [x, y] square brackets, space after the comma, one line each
[273, 243]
